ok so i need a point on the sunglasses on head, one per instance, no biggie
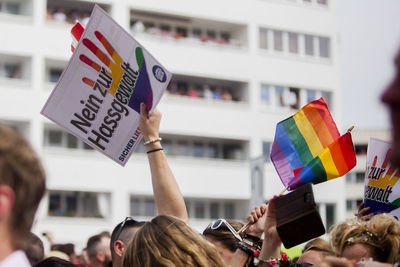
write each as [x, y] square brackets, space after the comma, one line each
[127, 219]
[217, 224]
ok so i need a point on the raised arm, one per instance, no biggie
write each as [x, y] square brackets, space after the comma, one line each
[168, 197]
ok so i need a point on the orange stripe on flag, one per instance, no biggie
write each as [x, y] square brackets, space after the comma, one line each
[323, 110]
[319, 125]
[337, 156]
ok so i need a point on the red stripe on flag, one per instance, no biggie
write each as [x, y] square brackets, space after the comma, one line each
[346, 145]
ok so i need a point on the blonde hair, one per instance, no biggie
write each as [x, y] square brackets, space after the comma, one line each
[318, 244]
[168, 241]
[381, 234]
[21, 170]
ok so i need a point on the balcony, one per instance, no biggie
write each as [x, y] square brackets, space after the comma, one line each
[167, 27]
[16, 10]
[70, 11]
[206, 89]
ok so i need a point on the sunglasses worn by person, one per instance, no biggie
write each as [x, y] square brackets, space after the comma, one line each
[217, 224]
[127, 219]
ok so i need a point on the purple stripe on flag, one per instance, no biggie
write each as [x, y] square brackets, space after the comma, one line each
[305, 176]
[281, 163]
[287, 147]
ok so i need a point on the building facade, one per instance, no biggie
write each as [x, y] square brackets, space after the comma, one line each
[239, 68]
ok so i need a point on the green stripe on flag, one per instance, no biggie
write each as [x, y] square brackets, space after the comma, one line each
[298, 140]
[318, 170]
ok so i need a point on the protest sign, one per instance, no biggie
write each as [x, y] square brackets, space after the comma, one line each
[382, 185]
[98, 95]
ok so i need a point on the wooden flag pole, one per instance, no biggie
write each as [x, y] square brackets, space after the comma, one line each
[350, 129]
[284, 190]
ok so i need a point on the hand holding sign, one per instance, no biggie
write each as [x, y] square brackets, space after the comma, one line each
[132, 87]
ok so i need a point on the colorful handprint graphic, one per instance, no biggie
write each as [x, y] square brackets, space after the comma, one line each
[129, 86]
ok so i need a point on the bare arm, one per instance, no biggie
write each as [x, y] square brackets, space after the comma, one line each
[168, 197]
[271, 247]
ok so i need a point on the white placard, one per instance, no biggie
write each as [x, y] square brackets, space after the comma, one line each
[98, 95]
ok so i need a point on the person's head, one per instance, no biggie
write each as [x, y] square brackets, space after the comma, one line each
[378, 238]
[67, 248]
[34, 249]
[98, 250]
[120, 237]
[218, 233]
[391, 97]
[169, 241]
[22, 185]
[314, 251]
[54, 262]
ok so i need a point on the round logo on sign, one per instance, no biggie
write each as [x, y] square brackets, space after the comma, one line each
[159, 74]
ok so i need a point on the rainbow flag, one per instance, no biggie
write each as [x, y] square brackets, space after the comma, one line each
[308, 147]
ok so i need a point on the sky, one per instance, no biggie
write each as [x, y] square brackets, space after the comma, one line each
[368, 40]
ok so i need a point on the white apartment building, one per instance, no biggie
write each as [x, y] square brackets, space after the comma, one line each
[239, 68]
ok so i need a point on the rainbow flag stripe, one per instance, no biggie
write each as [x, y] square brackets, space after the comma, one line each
[309, 148]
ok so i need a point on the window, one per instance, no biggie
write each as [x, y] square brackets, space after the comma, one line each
[10, 7]
[78, 204]
[360, 177]
[264, 95]
[278, 40]
[309, 45]
[327, 97]
[280, 98]
[229, 211]
[263, 38]
[54, 138]
[294, 99]
[54, 75]
[199, 210]
[361, 149]
[60, 138]
[349, 205]
[214, 210]
[226, 37]
[212, 151]
[198, 150]
[293, 43]
[330, 215]
[196, 32]
[181, 32]
[311, 95]
[266, 147]
[12, 70]
[211, 34]
[149, 208]
[324, 47]
[135, 207]
[142, 206]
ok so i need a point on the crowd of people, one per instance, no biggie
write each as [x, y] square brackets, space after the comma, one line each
[72, 16]
[168, 240]
[197, 91]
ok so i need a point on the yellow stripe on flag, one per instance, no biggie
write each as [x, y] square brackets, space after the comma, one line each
[306, 129]
[329, 165]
